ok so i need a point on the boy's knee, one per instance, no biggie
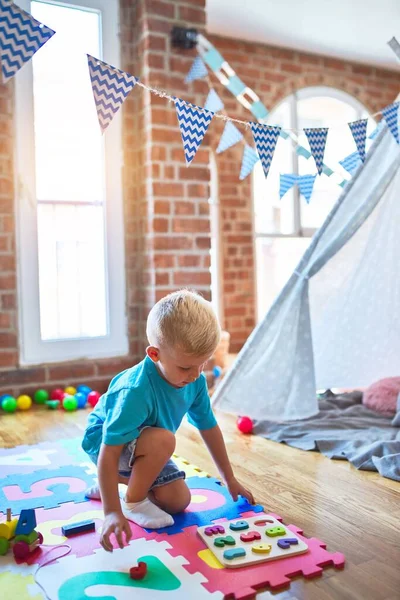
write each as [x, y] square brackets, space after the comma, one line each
[163, 438]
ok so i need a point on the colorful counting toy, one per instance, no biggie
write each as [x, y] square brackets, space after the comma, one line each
[251, 541]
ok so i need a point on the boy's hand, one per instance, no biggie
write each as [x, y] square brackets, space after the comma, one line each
[237, 489]
[115, 523]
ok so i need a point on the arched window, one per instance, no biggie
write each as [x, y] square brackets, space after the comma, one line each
[283, 227]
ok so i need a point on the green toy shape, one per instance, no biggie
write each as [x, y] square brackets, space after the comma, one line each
[276, 531]
[158, 577]
[228, 540]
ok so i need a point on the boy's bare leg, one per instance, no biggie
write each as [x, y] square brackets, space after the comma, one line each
[172, 497]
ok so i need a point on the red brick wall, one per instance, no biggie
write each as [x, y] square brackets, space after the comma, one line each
[273, 73]
[167, 228]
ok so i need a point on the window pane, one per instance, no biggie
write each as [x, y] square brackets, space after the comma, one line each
[69, 164]
[276, 259]
[271, 214]
[71, 272]
[68, 142]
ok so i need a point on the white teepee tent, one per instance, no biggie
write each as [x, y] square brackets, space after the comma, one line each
[336, 323]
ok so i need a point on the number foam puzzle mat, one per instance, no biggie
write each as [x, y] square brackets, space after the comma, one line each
[52, 478]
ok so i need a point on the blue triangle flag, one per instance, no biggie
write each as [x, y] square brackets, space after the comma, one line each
[193, 124]
[213, 102]
[230, 136]
[351, 162]
[306, 186]
[21, 36]
[391, 115]
[250, 157]
[265, 138]
[110, 88]
[286, 182]
[198, 70]
[359, 132]
[317, 140]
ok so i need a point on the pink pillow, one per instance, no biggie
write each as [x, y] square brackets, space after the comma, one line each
[382, 395]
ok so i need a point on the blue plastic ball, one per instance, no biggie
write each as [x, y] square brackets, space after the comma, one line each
[3, 397]
[84, 389]
[81, 399]
[217, 371]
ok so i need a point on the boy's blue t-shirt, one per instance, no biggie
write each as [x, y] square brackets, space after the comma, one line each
[140, 397]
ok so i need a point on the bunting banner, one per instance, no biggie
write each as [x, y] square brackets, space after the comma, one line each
[317, 140]
[21, 36]
[213, 102]
[391, 115]
[110, 88]
[250, 158]
[265, 138]
[306, 186]
[351, 162]
[377, 130]
[193, 124]
[286, 182]
[359, 133]
[230, 136]
[198, 70]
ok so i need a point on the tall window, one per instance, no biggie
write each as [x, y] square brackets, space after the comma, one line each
[283, 228]
[72, 296]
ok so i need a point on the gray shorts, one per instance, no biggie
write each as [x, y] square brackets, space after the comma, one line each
[169, 473]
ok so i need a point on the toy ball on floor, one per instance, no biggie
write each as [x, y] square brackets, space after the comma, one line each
[24, 402]
[81, 399]
[70, 403]
[84, 389]
[217, 371]
[244, 424]
[41, 396]
[93, 398]
[57, 394]
[70, 390]
[9, 404]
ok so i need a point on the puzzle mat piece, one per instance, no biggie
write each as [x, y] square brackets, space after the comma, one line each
[242, 584]
[44, 489]
[210, 501]
[106, 576]
[250, 557]
[30, 458]
[18, 581]
[74, 449]
[50, 522]
[190, 469]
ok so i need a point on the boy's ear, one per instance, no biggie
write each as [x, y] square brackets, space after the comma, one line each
[153, 353]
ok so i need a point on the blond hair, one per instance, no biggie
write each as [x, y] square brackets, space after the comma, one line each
[186, 321]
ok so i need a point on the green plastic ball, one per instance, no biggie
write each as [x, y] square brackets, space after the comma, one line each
[9, 404]
[41, 396]
[70, 403]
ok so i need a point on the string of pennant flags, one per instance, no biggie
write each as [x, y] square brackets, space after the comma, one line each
[21, 36]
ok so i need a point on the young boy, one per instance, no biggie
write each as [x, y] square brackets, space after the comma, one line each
[131, 433]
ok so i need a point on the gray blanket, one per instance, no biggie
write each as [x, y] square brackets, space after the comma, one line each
[344, 429]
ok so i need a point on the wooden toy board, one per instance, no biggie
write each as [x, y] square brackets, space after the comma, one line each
[254, 524]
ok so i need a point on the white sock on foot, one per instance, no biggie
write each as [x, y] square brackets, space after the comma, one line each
[146, 514]
[93, 493]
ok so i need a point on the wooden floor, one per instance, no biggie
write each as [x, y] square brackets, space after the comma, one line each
[357, 513]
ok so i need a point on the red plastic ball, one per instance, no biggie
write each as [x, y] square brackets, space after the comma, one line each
[93, 398]
[244, 424]
[57, 394]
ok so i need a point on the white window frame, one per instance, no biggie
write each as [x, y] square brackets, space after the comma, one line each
[33, 350]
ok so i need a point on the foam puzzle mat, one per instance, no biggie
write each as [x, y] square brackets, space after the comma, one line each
[52, 477]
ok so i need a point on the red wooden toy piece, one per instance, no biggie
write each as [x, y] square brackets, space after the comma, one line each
[138, 572]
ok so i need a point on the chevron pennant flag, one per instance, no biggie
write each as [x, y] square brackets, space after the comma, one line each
[110, 88]
[230, 136]
[21, 36]
[351, 162]
[250, 157]
[359, 132]
[286, 182]
[391, 115]
[213, 102]
[265, 138]
[317, 140]
[306, 186]
[193, 124]
[198, 70]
